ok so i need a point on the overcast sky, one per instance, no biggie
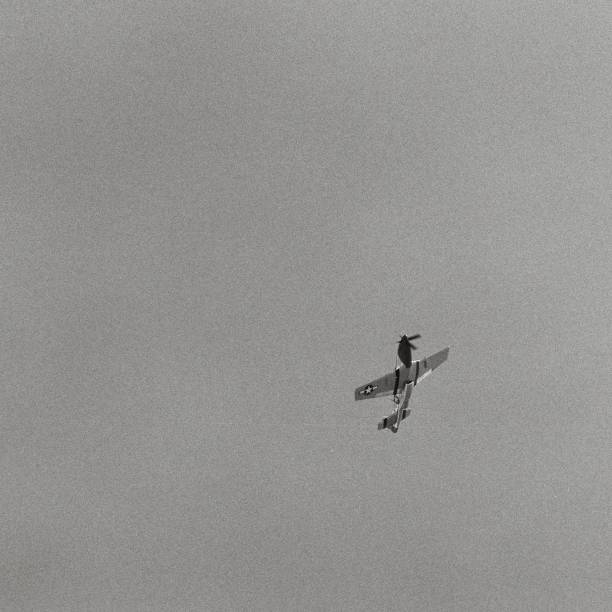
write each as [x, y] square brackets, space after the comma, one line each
[217, 218]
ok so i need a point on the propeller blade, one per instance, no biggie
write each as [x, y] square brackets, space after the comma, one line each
[412, 346]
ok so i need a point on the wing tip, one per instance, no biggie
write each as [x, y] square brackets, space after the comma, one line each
[435, 360]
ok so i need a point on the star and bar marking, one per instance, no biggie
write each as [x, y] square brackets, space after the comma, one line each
[368, 389]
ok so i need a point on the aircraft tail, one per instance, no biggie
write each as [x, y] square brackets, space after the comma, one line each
[391, 422]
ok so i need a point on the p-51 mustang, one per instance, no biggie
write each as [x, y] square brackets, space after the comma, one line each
[401, 381]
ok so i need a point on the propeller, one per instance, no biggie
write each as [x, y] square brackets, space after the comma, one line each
[413, 338]
[405, 352]
[410, 339]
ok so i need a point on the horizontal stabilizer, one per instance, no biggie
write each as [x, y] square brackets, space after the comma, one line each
[390, 421]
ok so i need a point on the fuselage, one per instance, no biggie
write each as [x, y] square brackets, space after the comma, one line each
[407, 374]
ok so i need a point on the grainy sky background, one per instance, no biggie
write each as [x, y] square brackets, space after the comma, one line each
[217, 218]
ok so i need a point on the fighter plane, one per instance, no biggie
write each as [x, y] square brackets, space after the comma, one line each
[401, 381]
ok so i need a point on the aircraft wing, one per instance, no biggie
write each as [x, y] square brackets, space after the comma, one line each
[385, 385]
[433, 361]
[377, 388]
[428, 365]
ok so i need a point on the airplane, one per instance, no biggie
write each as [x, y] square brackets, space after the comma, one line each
[401, 381]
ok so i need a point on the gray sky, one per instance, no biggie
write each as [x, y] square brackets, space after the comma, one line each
[216, 220]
